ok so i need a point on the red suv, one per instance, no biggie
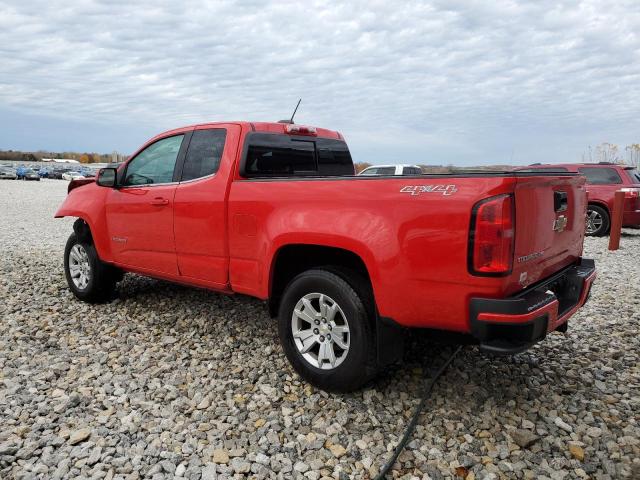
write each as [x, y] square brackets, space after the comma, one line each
[603, 180]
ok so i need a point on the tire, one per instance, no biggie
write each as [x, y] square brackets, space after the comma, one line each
[97, 282]
[598, 221]
[352, 366]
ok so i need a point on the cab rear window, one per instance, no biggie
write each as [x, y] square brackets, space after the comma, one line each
[274, 155]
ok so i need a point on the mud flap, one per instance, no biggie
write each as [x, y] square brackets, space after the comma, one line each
[390, 338]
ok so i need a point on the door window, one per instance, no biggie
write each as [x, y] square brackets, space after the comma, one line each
[600, 175]
[155, 164]
[204, 153]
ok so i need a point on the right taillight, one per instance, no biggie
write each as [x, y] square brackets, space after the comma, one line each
[491, 236]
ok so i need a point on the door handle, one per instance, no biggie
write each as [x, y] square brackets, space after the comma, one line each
[159, 201]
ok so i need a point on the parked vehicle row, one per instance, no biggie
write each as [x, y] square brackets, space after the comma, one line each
[24, 172]
[251, 208]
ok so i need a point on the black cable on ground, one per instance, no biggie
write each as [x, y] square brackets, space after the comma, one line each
[428, 387]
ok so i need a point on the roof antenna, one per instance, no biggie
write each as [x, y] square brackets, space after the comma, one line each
[293, 115]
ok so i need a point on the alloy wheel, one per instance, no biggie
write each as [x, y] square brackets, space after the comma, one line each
[79, 266]
[594, 222]
[320, 331]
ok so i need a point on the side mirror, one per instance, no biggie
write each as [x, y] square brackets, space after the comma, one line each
[107, 177]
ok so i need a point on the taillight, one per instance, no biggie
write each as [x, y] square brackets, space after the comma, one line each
[491, 236]
[631, 192]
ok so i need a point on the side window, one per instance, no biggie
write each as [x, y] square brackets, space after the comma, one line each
[386, 171]
[204, 153]
[370, 171]
[634, 175]
[411, 171]
[155, 164]
[334, 158]
[280, 156]
[600, 176]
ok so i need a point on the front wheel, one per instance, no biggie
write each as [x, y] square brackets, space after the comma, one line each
[88, 277]
[326, 332]
[597, 221]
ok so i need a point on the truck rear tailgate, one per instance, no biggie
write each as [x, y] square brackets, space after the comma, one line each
[549, 220]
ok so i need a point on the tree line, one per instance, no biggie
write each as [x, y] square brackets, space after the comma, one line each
[82, 157]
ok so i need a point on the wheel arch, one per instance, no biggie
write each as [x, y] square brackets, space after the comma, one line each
[84, 225]
[293, 259]
[600, 203]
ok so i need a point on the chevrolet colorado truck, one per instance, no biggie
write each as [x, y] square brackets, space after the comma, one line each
[347, 263]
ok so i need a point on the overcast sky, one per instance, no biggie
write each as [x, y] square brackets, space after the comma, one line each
[452, 81]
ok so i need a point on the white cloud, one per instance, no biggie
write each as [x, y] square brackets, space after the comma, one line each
[446, 81]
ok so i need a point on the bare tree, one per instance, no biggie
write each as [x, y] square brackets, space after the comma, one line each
[587, 155]
[608, 152]
[633, 154]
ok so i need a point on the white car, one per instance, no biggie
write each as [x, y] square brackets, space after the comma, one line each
[8, 173]
[72, 176]
[392, 170]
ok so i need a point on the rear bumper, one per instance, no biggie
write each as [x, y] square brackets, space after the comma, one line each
[514, 324]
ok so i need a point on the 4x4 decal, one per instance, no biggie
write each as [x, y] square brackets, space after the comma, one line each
[418, 189]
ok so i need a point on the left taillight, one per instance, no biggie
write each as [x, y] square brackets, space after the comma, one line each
[491, 236]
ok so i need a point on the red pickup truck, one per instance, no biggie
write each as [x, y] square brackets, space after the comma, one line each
[604, 179]
[347, 263]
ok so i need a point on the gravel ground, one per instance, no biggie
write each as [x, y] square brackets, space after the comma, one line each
[171, 382]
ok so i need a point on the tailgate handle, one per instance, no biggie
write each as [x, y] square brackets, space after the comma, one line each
[560, 201]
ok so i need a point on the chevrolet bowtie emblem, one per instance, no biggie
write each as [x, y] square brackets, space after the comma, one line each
[560, 223]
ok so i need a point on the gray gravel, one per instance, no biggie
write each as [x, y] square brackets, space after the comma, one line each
[172, 382]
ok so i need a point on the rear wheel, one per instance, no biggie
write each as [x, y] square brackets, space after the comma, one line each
[326, 332]
[597, 221]
[90, 279]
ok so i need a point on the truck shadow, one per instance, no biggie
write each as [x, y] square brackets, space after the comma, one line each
[474, 377]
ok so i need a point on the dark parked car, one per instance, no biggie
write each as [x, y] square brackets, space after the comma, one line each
[58, 171]
[30, 174]
[88, 172]
[44, 172]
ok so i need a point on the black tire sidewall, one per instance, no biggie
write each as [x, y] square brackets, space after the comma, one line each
[355, 370]
[606, 222]
[93, 291]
